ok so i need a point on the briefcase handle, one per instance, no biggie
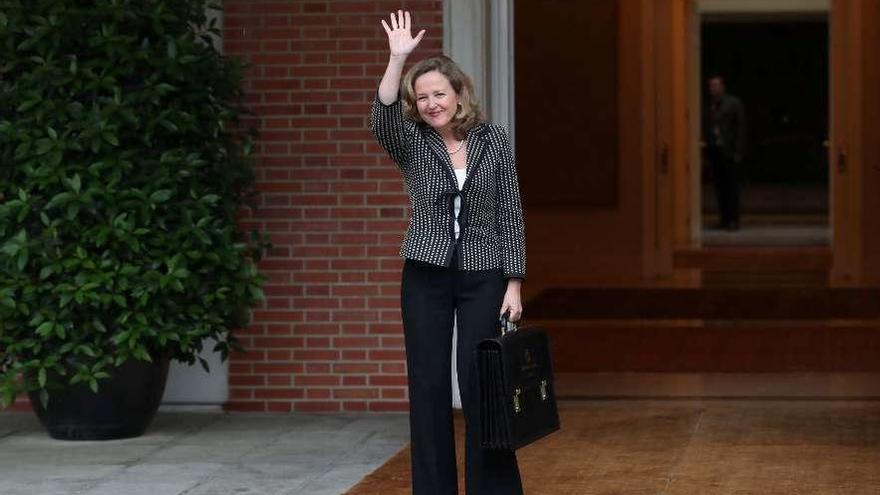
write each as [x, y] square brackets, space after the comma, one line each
[507, 325]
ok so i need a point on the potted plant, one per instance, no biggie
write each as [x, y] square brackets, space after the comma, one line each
[122, 171]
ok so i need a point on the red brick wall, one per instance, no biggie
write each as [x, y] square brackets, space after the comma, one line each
[329, 337]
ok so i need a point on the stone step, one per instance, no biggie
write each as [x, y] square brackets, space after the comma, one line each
[755, 259]
[705, 303]
[722, 347]
[718, 386]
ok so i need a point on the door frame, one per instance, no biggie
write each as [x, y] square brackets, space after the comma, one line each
[845, 144]
[846, 151]
[478, 35]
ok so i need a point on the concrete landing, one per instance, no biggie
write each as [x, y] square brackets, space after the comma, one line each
[187, 453]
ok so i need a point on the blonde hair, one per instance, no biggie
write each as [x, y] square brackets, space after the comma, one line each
[468, 114]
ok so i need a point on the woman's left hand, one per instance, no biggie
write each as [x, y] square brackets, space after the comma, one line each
[512, 300]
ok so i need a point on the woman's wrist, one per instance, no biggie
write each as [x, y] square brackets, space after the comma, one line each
[398, 58]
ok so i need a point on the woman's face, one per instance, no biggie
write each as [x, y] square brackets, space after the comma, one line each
[436, 100]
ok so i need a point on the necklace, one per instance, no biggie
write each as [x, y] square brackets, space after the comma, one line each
[460, 146]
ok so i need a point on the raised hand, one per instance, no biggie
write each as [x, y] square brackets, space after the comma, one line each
[400, 39]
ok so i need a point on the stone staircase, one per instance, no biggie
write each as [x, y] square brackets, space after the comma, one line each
[756, 311]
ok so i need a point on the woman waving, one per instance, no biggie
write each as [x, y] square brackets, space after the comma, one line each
[464, 254]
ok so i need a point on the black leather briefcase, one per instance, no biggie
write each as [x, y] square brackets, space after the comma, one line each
[517, 397]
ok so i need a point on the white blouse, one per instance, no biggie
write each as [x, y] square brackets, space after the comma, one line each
[461, 175]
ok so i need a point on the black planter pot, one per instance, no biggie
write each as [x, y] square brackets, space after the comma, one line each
[123, 407]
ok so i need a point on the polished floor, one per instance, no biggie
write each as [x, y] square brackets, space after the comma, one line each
[633, 447]
[772, 215]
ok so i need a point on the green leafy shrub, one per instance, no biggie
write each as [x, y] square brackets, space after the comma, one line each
[122, 170]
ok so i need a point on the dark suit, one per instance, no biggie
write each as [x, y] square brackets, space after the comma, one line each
[725, 136]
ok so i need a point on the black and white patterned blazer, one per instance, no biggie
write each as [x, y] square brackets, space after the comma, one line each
[492, 232]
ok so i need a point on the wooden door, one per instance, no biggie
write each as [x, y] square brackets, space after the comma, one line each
[845, 143]
[673, 193]
[670, 175]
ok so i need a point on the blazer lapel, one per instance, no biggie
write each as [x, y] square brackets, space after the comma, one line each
[476, 147]
[435, 142]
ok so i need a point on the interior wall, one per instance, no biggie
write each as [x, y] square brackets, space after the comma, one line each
[566, 86]
[581, 94]
[869, 133]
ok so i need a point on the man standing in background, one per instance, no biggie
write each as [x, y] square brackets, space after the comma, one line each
[725, 137]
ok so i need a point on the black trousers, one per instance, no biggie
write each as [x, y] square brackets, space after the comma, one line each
[430, 296]
[725, 176]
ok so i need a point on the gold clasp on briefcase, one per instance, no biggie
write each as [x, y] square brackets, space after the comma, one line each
[517, 407]
[544, 394]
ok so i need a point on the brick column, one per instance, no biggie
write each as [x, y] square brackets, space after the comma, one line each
[329, 336]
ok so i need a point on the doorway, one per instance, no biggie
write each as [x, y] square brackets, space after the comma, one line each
[775, 65]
